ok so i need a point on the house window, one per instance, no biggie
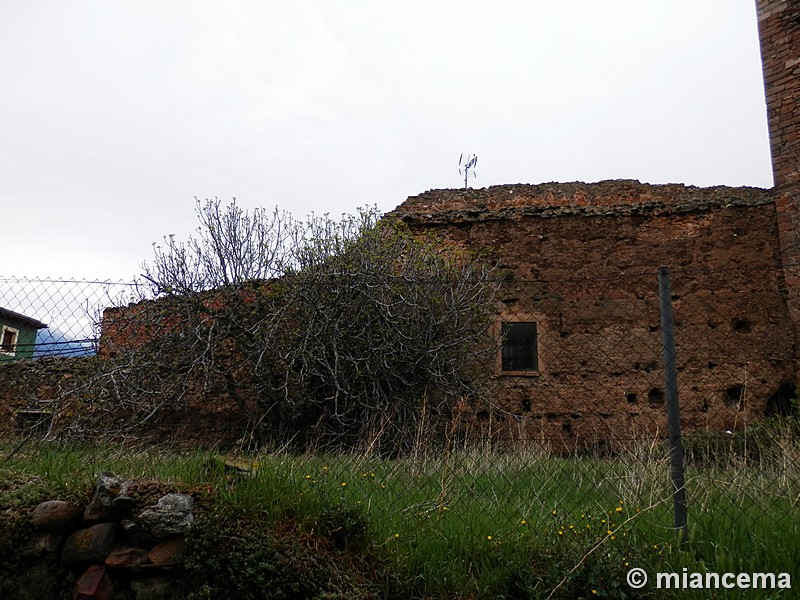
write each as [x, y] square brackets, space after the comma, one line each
[8, 345]
[519, 351]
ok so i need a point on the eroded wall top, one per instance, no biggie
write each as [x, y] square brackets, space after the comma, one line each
[605, 198]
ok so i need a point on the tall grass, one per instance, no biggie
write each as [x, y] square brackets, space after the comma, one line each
[474, 524]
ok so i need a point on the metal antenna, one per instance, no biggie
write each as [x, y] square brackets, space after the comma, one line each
[465, 163]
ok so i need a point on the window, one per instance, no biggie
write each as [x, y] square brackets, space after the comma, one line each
[8, 345]
[519, 348]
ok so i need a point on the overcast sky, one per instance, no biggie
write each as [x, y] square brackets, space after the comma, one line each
[116, 114]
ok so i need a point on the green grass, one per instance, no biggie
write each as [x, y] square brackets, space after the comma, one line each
[470, 524]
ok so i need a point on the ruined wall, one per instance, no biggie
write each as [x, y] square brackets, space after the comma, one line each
[582, 258]
[69, 397]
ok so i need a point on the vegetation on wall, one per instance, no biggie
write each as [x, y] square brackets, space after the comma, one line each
[323, 331]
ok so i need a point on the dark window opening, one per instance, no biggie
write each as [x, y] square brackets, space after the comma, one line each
[520, 352]
[9, 342]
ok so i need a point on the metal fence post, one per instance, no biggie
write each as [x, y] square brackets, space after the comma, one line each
[673, 411]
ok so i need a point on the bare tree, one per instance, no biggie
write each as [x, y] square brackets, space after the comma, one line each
[323, 330]
[383, 322]
[232, 246]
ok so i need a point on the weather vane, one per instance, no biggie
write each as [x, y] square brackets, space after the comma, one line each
[466, 163]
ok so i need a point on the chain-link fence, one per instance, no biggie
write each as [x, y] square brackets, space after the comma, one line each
[549, 407]
[68, 314]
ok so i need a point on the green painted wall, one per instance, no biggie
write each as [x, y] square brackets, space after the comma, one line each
[26, 341]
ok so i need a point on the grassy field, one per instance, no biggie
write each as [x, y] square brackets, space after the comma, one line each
[468, 524]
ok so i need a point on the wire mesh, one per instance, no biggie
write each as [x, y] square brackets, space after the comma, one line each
[569, 439]
[69, 309]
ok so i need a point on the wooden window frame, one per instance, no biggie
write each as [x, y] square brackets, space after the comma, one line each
[510, 319]
[15, 332]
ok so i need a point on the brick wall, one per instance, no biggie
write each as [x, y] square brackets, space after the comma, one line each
[779, 32]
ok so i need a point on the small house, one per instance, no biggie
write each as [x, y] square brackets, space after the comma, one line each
[17, 335]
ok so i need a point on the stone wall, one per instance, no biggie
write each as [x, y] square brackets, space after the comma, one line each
[115, 545]
[581, 260]
[72, 398]
[33, 391]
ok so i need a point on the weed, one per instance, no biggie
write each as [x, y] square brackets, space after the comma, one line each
[458, 524]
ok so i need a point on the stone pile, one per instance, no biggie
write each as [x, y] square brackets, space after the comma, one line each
[114, 549]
